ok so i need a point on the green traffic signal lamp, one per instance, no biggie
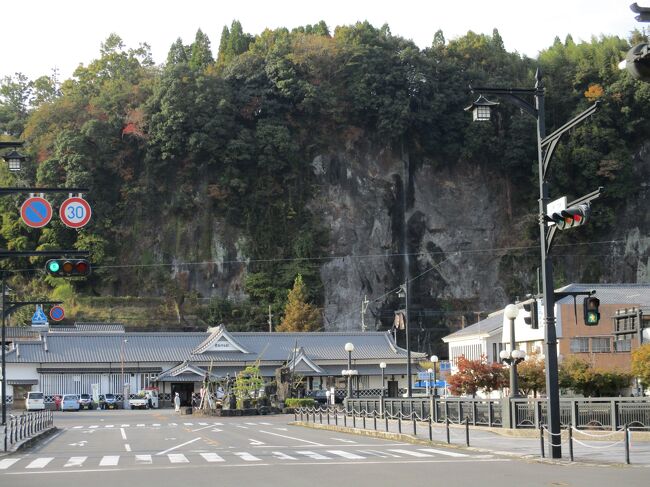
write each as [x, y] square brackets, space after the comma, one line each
[591, 311]
[68, 267]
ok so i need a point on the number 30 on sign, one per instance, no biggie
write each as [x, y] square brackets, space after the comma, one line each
[75, 212]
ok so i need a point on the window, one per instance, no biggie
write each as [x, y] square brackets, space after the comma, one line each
[624, 345]
[600, 345]
[579, 345]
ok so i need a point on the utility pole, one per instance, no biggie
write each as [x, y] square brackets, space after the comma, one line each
[364, 308]
[270, 321]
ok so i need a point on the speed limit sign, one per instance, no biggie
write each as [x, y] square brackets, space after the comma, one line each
[75, 212]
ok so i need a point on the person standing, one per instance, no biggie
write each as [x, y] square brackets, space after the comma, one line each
[177, 402]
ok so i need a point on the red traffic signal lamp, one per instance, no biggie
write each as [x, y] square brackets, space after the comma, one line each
[590, 310]
[573, 216]
[68, 267]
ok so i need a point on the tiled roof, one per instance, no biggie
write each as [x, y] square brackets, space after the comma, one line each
[142, 347]
[487, 326]
[88, 326]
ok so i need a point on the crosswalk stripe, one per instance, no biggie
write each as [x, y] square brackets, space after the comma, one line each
[77, 427]
[377, 454]
[267, 424]
[40, 462]
[346, 454]
[313, 454]
[188, 424]
[140, 425]
[75, 461]
[156, 424]
[444, 452]
[203, 424]
[177, 458]
[143, 459]
[109, 426]
[109, 461]
[7, 462]
[94, 426]
[212, 457]
[247, 456]
[412, 453]
[125, 425]
[283, 456]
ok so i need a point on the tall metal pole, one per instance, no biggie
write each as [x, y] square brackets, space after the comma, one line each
[408, 345]
[435, 390]
[550, 337]
[514, 386]
[349, 374]
[4, 365]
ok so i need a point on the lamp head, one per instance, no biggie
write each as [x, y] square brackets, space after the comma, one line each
[503, 354]
[382, 365]
[434, 358]
[430, 370]
[511, 311]
[349, 347]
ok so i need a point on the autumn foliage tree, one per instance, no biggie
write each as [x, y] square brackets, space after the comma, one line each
[299, 315]
[641, 364]
[579, 376]
[476, 375]
[532, 375]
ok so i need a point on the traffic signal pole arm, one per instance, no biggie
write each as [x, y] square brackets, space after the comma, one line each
[11, 307]
[41, 253]
[7, 191]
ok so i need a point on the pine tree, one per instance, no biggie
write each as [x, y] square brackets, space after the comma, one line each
[298, 314]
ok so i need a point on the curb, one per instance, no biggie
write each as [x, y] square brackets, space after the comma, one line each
[419, 441]
[28, 442]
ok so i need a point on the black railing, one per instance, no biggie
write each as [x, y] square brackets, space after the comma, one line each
[25, 426]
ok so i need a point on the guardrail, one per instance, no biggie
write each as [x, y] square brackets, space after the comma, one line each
[25, 426]
[583, 413]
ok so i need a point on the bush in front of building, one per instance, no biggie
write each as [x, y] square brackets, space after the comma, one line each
[580, 377]
[302, 402]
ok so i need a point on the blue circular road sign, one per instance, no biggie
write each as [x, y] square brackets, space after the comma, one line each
[57, 313]
[36, 212]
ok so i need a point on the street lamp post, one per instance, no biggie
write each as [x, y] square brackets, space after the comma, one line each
[430, 384]
[382, 366]
[434, 361]
[125, 389]
[349, 347]
[511, 313]
[404, 293]
[545, 147]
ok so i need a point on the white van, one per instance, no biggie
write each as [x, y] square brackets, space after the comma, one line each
[35, 401]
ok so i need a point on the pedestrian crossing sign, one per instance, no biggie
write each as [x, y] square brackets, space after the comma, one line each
[39, 317]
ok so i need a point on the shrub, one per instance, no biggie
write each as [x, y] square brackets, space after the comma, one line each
[300, 402]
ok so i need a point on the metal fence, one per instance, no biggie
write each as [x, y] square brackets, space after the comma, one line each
[25, 426]
[604, 413]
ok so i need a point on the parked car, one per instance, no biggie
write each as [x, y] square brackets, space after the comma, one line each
[107, 401]
[34, 401]
[70, 402]
[86, 402]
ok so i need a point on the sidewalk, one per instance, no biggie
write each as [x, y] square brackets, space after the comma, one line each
[593, 447]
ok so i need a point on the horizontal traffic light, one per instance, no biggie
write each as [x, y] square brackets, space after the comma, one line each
[68, 267]
[572, 217]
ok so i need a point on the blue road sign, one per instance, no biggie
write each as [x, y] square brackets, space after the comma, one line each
[57, 313]
[39, 317]
[36, 212]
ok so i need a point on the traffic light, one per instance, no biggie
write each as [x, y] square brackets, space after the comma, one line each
[531, 317]
[573, 216]
[590, 310]
[68, 267]
[637, 62]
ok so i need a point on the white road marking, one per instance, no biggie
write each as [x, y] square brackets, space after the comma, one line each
[75, 461]
[242, 427]
[127, 447]
[157, 425]
[267, 424]
[292, 438]
[247, 456]
[444, 452]
[281, 429]
[283, 456]
[77, 427]
[94, 426]
[343, 440]
[109, 426]
[40, 462]
[177, 458]
[109, 461]
[125, 425]
[177, 446]
[188, 424]
[204, 427]
[140, 425]
[203, 424]
[255, 442]
[377, 454]
[123, 433]
[251, 424]
[143, 459]
[212, 457]
[173, 424]
[346, 454]
[217, 430]
[412, 453]
[7, 462]
[314, 455]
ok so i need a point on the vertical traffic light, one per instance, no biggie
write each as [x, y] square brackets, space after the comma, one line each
[590, 310]
[573, 216]
[68, 267]
[531, 317]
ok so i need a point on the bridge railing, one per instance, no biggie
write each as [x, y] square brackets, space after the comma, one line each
[19, 428]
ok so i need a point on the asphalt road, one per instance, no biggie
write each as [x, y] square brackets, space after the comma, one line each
[107, 448]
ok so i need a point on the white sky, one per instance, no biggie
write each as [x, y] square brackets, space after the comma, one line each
[38, 35]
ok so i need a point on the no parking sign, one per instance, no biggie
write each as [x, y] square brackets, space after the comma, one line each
[36, 212]
[75, 212]
[57, 313]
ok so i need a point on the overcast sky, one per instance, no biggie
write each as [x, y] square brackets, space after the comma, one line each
[38, 35]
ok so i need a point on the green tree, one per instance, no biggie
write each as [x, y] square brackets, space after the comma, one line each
[299, 315]
[579, 376]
